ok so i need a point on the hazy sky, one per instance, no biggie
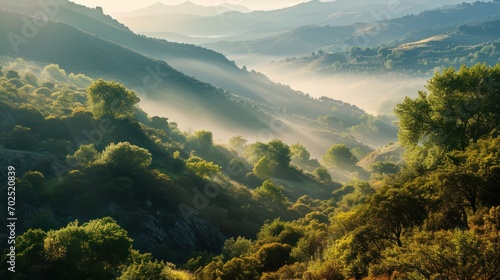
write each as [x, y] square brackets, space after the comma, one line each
[118, 6]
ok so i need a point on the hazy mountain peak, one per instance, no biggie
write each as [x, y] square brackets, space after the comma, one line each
[157, 4]
[188, 4]
[184, 8]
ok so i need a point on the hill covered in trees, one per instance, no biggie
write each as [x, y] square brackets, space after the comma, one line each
[82, 150]
[108, 186]
[383, 28]
[417, 44]
[262, 210]
[80, 40]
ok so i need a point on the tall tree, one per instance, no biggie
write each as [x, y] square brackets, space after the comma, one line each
[279, 152]
[111, 100]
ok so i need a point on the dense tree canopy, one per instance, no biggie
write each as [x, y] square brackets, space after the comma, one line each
[438, 223]
[461, 107]
[339, 155]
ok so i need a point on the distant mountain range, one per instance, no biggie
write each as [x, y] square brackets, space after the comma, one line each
[196, 87]
[341, 12]
[466, 34]
[186, 8]
[307, 39]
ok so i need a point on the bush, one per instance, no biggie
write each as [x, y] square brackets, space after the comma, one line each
[125, 157]
[43, 91]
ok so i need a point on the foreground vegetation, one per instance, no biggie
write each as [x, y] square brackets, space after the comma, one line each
[247, 210]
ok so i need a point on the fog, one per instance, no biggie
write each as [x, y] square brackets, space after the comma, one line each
[374, 93]
[245, 117]
[120, 6]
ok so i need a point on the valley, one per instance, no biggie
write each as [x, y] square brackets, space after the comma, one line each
[245, 140]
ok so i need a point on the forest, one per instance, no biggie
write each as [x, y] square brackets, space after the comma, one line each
[106, 191]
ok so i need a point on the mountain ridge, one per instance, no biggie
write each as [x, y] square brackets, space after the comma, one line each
[185, 8]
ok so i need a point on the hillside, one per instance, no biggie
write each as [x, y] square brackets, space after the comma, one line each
[185, 8]
[314, 12]
[203, 64]
[251, 99]
[124, 157]
[81, 52]
[47, 115]
[392, 31]
[465, 44]
[109, 192]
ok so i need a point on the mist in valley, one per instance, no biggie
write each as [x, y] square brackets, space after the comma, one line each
[375, 93]
[211, 140]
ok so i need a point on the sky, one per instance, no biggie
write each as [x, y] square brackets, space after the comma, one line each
[120, 6]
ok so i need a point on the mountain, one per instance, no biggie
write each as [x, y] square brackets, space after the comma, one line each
[102, 185]
[185, 8]
[466, 44]
[80, 52]
[240, 103]
[306, 39]
[340, 12]
[465, 34]
[46, 119]
[204, 64]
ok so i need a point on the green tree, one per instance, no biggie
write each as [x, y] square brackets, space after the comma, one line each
[20, 138]
[299, 154]
[90, 250]
[273, 256]
[339, 155]
[238, 247]
[125, 157]
[111, 100]
[201, 167]
[236, 167]
[255, 151]
[448, 255]
[84, 156]
[80, 80]
[43, 91]
[394, 210]
[211, 271]
[385, 167]
[31, 79]
[30, 257]
[36, 179]
[237, 143]
[322, 175]
[461, 107]
[53, 71]
[240, 268]
[11, 74]
[471, 178]
[264, 168]
[94, 250]
[271, 193]
[146, 270]
[201, 140]
[279, 153]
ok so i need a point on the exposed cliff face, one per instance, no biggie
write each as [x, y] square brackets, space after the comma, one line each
[164, 233]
